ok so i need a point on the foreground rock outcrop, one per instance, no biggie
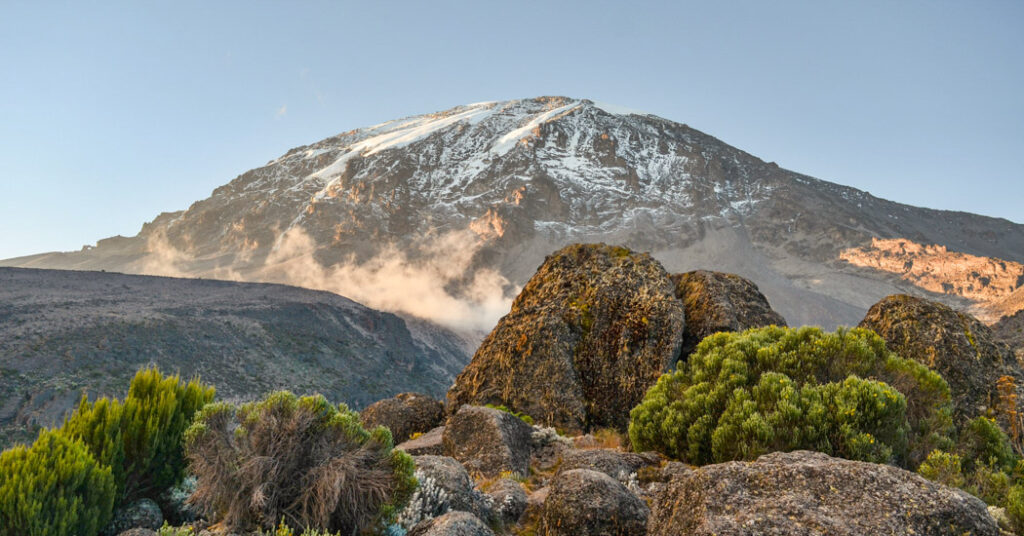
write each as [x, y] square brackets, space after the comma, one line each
[488, 442]
[452, 524]
[404, 414]
[716, 301]
[808, 493]
[956, 345]
[591, 331]
[583, 502]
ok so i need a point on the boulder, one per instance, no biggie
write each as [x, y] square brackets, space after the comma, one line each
[717, 301]
[428, 443]
[509, 499]
[488, 441]
[1010, 331]
[404, 414]
[590, 503]
[141, 514]
[613, 463]
[452, 524]
[449, 475]
[809, 493]
[138, 532]
[589, 333]
[954, 344]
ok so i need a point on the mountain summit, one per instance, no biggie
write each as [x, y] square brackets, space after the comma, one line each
[444, 216]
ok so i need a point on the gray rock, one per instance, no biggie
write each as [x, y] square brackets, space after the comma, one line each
[583, 502]
[143, 513]
[404, 414]
[451, 476]
[808, 493]
[509, 499]
[610, 462]
[138, 532]
[428, 443]
[452, 524]
[488, 441]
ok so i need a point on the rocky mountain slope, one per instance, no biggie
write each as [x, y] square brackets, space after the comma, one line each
[65, 331]
[444, 215]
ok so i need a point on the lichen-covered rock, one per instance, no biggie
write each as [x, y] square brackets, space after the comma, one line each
[590, 503]
[1010, 331]
[174, 503]
[590, 332]
[141, 514]
[404, 414]
[138, 532]
[954, 344]
[809, 493]
[717, 301]
[610, 462]
[509, 499]
[452, 524]
[488, 441]
[428, 443]
[449, 475]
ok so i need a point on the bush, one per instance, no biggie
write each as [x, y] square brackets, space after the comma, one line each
[943, 467]
[298, 459]
[984, 462]
[53, 488]
[141, 438]
[743, 394]
[1015, 508]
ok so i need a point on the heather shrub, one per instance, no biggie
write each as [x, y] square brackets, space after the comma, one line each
[982, 462]
[54, 487]
[302, 460]
[141, 438]
[740, 395]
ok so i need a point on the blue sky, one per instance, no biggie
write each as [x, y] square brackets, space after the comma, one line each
[110, 114]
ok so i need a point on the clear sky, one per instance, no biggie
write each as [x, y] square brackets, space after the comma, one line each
[111, 113]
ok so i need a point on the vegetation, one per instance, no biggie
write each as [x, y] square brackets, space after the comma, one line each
[53, 488]
[300, 460]
[140, 439]
[522, 416]
[768, 389]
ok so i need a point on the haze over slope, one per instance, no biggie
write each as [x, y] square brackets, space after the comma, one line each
[64, 331]
[444, 215]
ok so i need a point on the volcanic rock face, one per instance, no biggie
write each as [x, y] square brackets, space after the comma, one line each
[987, 281]
[811, 494]
[715, 301]
[62, 332]
[591, 331]
[444, 215]
[959, 347]
[1010, 331]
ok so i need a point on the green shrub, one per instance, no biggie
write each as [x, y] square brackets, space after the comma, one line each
[743, 394]
[141, 438]
[53, 488]
[982, 442]
[299, 459]
[943, 467]
[1015, 507]
[520, 415]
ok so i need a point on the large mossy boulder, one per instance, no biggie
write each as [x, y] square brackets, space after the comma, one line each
[956, 345]
[717, 301]
[452, 524]
[404, 414]
[590, 332]
[808, 493]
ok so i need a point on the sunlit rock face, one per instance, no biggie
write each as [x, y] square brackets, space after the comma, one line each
[444, 216]
[989, 282]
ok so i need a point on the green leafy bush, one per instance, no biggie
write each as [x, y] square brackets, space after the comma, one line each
[141, 438]
[53, 488]
[1015, 507]
[743, 394]
[982, 462]
[298, 459]
[943, 467]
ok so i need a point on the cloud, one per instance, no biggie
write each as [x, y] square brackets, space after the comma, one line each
[437, 283]
[282, 111]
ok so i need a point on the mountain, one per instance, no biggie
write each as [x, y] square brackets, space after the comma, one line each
[444, 216]
[65, 331]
